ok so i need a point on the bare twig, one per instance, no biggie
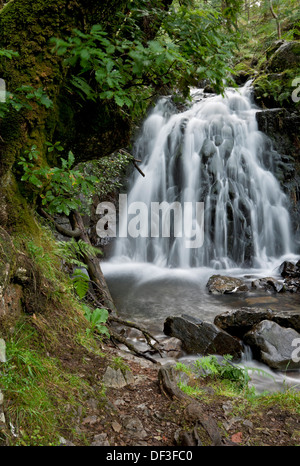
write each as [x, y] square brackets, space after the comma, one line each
[130, 346]
[148, 336]
[64, 231]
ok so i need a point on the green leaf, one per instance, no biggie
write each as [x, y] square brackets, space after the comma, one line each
[80, 283]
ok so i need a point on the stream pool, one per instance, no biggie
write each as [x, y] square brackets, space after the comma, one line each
[148, 294]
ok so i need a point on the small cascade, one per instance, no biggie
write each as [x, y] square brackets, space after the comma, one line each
[212, 154]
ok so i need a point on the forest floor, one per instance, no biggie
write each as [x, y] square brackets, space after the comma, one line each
[141, 414]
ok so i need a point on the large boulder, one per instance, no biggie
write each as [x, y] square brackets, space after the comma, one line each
[220, 284]
[274, 345]
[285, 57]
[237, 322]
[290, 269]
[199, 337]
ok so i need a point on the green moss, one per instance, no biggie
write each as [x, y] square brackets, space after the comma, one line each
[275, 89]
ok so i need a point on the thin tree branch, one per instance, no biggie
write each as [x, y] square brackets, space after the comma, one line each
[64, 231]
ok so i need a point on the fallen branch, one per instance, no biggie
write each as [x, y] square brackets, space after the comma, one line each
[147, 335]
[134, 161]
[130, 346]
[64, 231]
[138, 168]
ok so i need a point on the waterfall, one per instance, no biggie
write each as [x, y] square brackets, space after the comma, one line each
[213, 154]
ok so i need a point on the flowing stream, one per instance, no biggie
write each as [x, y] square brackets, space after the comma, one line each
[209, 201]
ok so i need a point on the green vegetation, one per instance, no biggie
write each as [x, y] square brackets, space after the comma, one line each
[72, 105]
[34, 401]
[232, 381]
[129, 68]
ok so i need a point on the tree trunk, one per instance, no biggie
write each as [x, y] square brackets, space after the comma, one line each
[275, 16]
[93, 266]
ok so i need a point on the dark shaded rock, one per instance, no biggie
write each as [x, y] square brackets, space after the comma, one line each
[202, 337]
[239, 321]
[219, 284]
[289, 269]
[268, 284]
[291, 273]
[285, 57]
[282, 127]
[292, 284]
[273, 345]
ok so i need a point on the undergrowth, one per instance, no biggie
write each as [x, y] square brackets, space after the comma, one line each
[46, 348]
[233, 381]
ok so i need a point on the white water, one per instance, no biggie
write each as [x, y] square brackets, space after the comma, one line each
[211, 153]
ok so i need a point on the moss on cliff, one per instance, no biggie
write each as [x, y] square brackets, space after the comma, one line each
[273, 86]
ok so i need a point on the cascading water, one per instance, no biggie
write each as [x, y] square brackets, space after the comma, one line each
[211, 153]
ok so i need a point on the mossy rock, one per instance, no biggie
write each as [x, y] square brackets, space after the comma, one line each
[284, 57]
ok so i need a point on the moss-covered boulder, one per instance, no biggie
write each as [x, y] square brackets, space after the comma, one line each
[274, 85]
[285, 57]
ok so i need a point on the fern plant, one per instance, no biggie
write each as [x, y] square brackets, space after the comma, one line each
[80, 282]
[73, 253]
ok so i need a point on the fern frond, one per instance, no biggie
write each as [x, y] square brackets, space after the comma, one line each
[80, 282]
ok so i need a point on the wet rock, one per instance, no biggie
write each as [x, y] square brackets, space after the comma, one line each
[208, 150]
[292, 285]
[273, 345]
[220, 284]
[290, 269]
[239, 321]
[202, 337]
[172, 347]
[268, 284]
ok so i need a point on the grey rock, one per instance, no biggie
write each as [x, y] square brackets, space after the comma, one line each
[100, 440]
[115, 378]
[220, 284]
[289, 269]
[268, 284]
[134, 426]
[64, 442]
[202, 337]
[237, 322]
[273, 345]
